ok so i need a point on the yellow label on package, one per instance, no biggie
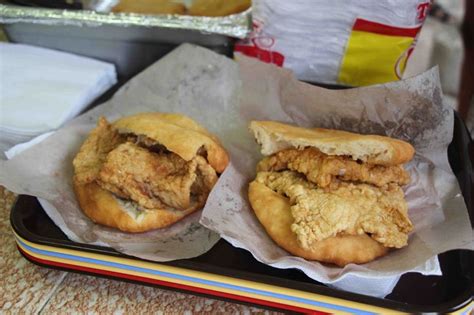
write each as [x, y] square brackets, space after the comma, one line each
[376, 53]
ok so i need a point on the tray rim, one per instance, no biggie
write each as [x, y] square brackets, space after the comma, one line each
[364, 304]
[163, 285]
[295, 306]
[237, 25]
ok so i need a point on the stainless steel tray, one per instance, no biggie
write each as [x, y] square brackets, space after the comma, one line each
[130, 41]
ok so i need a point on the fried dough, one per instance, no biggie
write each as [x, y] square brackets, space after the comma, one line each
[179, 134]
[102, 207]
[372, 149]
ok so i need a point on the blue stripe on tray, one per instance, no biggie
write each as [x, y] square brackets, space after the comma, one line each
[192, 279]
[468, 310]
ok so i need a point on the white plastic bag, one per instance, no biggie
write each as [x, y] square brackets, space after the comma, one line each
[349, 42]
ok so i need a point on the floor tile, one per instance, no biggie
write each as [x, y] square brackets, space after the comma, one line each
[24, 287]
[80, 293]
[7, 199]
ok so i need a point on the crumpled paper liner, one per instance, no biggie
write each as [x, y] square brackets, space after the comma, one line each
[411, 110]
[224, 96]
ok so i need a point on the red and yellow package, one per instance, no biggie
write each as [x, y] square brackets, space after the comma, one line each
[376, 53]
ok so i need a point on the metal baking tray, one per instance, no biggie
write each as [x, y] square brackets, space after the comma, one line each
[233, 274]
[130, 41]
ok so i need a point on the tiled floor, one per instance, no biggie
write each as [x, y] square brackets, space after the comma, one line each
[29, 289]
[78, 292]
[6, 202]
[24, 287]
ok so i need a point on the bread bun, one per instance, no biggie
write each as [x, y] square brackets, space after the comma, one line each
[373, 149]
[178, 133]
[102, 207]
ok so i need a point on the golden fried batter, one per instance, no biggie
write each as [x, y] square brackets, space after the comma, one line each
[155, 180]
[206, 178]
[350, 209]
[103, 139]
[322, 169]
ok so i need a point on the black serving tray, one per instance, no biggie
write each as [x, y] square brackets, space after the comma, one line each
[414, 292]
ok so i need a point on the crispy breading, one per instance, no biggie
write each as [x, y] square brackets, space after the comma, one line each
[273, 210]
[350, 209]
[323, 169]
[87, 163]
[156, 180]
[206, 178]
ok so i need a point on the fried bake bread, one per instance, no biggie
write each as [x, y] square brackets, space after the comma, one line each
[274, 213]
[124, 173]
[102, 207]
[179, 134]
[372, 149]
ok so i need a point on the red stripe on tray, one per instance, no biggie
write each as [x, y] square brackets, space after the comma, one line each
[139, 280]
[384, 29]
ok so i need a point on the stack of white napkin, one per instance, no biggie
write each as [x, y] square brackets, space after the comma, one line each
[41, 89]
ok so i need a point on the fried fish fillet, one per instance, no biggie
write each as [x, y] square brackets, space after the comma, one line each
[323, 169]
[103, 139]
[273, 210]
[350, 209]
[156, 180]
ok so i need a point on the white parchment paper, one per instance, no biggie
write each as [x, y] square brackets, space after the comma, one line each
[411, 110]
[224, 96]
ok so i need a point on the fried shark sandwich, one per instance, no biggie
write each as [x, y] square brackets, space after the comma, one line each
[146, 171]
[330, 195]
